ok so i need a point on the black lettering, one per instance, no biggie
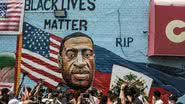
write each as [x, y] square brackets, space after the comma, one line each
[67, 23]
[27, 5]
[130, 40]
[74, 24]
[81, 4]
[47, 24]
[74, 2]
[68, 4]
[45, 5]
[63, 5]
[125, 42]
[92, 7]
[61, 23]
[83, 24]
[32, 8]
[40, 5]
[118, 42]
[54, 7]
[54, 24]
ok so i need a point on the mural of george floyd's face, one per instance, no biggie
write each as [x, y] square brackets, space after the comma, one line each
[78, 64]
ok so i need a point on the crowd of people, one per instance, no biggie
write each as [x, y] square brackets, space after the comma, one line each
[62, 95]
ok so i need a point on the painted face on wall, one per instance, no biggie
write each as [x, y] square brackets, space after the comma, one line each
[78, 64]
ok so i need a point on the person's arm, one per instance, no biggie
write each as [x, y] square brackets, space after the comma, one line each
[122, 93]
[33, 91]
[145, 101]
[38, 89]
[78, 100]
[153, 100]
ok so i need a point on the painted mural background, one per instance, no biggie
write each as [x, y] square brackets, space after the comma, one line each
[119, 29]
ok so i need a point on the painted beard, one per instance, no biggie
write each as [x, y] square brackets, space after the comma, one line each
[78, 78]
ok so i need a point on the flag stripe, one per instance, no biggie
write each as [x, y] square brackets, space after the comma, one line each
[54, 49]
[41, 62]
[17, 19]
[49, 62]
[7, 20]
[13, 16]
[9, 29]
[13, 26]
[10, 23]
[17, 7]
[56, 38]
[39, 76]
[54, 59]
[43, 72]
[55, 41]
[13, 3]
[53, 56]
[54, 45]
[39, 66]
[13, 11]
[54, 52]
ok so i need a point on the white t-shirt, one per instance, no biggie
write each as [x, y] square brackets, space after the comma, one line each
[13, 101]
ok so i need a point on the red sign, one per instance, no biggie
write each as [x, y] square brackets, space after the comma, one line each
[166, 30]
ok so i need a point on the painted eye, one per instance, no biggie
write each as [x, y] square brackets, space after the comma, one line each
[71, 55]
[88, 54]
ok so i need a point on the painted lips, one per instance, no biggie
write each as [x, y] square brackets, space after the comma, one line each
[81, 76]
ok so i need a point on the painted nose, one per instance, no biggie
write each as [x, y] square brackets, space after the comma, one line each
[79, 61]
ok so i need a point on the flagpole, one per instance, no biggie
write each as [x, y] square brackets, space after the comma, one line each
[18, 62]
[19, 53]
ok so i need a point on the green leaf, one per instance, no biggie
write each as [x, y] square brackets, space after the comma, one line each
[7, 60]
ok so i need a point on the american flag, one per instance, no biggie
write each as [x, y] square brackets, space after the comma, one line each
[40, 55]
[10, 15]
[6, 85]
